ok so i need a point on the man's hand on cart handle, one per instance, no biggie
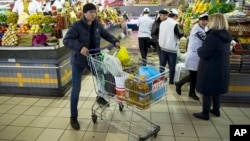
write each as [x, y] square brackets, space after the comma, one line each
[117, 45]
[84, 51]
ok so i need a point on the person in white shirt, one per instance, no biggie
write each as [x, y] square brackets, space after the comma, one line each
[196, 38]
[48, 7]
[28, 6]
[169, 34]
[144, 33]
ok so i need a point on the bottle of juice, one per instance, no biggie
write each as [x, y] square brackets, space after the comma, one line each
[144, 94]
[131, 95]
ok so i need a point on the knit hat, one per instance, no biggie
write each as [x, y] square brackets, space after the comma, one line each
[89, 6]
[163, 11]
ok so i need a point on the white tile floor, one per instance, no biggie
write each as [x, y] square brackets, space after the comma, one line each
[47, 118]
[38, 118]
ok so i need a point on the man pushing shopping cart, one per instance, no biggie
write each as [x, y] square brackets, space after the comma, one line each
[83, 38]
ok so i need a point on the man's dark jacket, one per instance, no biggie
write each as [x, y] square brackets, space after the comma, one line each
[155, 29]
[213, 71]
[79, 35]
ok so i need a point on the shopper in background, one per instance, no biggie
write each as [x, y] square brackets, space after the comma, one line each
[196, 38]
[124, 25]
[213, 70]
[169, 34]
[42, 3]
[48, 7]
[81, 38]
[144, 33]
[163, 15]
[156, 15]
[28, 6]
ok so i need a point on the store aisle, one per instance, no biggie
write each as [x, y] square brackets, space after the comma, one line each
[38, 118]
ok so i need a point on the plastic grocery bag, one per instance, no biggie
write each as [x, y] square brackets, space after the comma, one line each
[112, 65]
[123, 56]
[149, 72]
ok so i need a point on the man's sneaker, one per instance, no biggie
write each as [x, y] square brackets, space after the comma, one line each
[100, 100]
[74, 123]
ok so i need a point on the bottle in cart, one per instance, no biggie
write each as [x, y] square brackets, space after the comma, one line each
[144, 93]
[131, 95]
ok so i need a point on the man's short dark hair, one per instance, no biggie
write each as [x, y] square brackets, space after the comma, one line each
[89, 6]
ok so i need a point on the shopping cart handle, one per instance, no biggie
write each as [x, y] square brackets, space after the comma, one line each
[98, 49]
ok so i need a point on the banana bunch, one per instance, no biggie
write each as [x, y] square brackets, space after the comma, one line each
[203, 8]
[200, 6]
[244, 40]
[35, 19]
[192, 13]
[187, 25]
[73, 17]
[47, 19]
[12, 18]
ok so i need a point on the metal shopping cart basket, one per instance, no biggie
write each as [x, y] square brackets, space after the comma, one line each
[130, 93]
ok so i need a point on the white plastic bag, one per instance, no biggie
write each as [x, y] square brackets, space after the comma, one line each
[112, 65]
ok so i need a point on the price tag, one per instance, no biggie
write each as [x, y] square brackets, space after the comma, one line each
[158, 83]
[12, 60]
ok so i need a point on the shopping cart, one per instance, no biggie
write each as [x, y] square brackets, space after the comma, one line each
[112, 84]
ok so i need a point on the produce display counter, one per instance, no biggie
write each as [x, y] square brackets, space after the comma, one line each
[35, 70]
[239, 89]
[43, 70]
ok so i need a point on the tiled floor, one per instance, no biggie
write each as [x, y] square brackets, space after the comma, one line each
[41, 118]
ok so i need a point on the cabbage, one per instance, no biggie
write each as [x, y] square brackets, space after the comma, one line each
[39, 39]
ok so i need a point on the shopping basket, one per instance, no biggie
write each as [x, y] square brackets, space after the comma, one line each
[114, 86]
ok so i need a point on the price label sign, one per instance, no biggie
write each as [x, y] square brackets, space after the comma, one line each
[12, 60]
[158, 83]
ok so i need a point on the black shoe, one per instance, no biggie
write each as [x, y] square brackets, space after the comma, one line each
[215, 112]
[201, 116]
[194, 96]
[74, 123]
[177, 88]
[100, 100]
[171, 82]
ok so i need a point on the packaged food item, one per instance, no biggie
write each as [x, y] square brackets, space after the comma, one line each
[120, 93]
[158, 88]
[120, 86]
[132, 97]
[143, 93]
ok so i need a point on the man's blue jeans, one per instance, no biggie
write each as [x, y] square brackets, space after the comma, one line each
[76, 87]
[171, 59]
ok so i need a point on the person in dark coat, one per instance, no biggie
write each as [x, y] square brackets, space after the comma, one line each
[82, 37]
[163, 15]
[213, 70]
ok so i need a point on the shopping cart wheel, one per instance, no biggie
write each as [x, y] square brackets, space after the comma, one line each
[121, 106]
[94, 118]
